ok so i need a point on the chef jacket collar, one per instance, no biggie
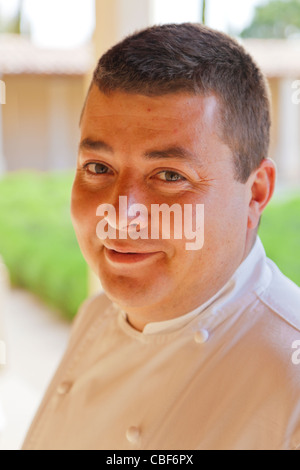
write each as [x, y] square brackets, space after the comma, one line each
[252, 274]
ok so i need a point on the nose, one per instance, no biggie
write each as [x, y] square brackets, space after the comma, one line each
[130, 215]
[129, 201]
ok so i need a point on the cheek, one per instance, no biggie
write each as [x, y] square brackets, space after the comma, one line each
[83, 211]
[226, 219]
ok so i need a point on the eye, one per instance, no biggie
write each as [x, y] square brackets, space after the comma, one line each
[96, 168]
[170, 176]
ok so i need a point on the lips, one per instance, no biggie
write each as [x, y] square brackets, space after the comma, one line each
[128, 255]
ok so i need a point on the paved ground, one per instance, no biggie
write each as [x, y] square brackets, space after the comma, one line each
[35, 340]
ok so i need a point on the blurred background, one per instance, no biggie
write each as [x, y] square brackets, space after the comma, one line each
[48, 50]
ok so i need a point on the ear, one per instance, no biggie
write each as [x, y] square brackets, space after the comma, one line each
[262, 184]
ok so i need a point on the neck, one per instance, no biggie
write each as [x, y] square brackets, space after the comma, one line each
[250, 242]
[181, 303]
[175, 306]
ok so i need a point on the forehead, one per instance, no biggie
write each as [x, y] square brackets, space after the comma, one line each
[180, 126]
[123, 110]
[137, 125]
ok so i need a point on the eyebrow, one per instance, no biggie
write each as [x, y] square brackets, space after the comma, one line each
[177, 152]
[90, 144]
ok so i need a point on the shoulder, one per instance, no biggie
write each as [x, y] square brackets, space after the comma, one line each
[95, 308]
[282, 297]
[280, 333]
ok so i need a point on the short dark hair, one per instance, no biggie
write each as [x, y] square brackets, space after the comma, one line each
[196, 59]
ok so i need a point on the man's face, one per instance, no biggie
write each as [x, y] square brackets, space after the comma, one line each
[158, 150]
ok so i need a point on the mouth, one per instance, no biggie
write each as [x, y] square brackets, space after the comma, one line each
[119, 257]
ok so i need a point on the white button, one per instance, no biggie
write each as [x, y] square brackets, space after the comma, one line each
[201, 336]
[64, 388]
[133, 434]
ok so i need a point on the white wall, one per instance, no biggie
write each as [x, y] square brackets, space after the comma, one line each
[41, 122]
[288, 149]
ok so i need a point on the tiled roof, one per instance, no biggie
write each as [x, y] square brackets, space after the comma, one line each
[276, 57]
[19, 56]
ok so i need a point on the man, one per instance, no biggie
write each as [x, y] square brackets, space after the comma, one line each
[187, 348]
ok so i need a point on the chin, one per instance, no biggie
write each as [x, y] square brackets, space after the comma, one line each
[128, 292]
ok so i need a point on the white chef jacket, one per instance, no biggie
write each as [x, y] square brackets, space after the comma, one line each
[3, 289]
[220, 377]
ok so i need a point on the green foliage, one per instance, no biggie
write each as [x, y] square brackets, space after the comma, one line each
[204, 11]
[280, 234]
[37, 240]
[12, 26]
[275, 19]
